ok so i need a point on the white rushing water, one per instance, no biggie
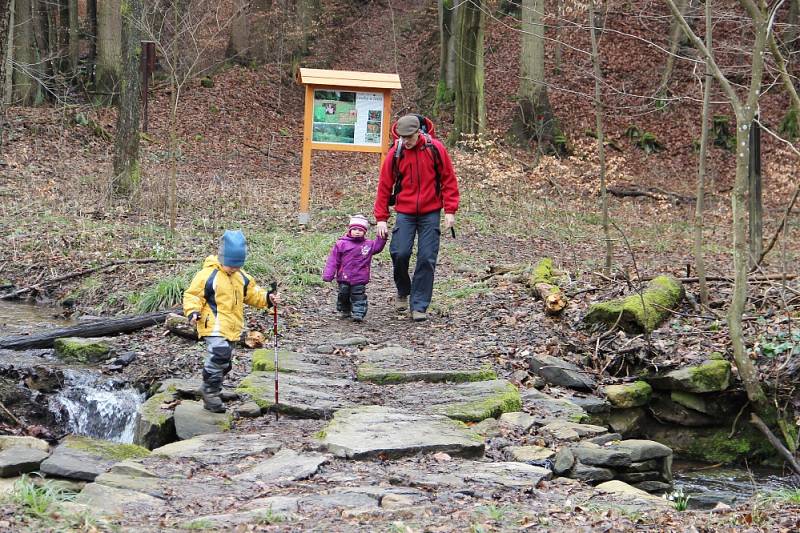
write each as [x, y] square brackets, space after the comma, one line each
[92, 406]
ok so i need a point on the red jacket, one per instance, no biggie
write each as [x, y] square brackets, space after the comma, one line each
[418, 193]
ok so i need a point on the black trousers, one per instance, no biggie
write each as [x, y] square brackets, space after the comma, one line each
[352, 299]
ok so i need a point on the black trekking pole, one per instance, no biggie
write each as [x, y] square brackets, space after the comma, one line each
[275, 341]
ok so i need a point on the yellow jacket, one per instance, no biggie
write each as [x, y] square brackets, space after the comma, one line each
[219, 298]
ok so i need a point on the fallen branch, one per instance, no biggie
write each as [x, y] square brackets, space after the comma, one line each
[777, 444]
[96, 328]
[650, 192]
[39, 285]
[14, 418]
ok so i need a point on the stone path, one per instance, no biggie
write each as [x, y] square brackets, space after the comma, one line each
[359, 435]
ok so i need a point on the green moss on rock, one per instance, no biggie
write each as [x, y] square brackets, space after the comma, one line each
[105, 449]
[256, 389]
[713, 375]
[505, 400]
[543, 273]
[628, 395]
[82, 350]
[639, 313]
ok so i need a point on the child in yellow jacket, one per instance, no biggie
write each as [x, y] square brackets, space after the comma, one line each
[214, 302]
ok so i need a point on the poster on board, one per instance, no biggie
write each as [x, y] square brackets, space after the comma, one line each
[347, 117]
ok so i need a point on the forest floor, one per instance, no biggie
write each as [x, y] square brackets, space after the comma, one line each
[239, 167]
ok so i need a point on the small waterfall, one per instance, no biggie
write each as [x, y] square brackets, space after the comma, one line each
[94, 406]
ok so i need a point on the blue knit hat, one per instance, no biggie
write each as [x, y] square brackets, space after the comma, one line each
[232, 248]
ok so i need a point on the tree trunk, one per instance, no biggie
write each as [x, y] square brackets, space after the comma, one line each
[109, 50]
[534, 118]
[700, 263]
[755, 207]
[63, 35]
[97, 328]
[74, 36]
[558, 47]
[26, 87]
[91, 16]
[674, 42]
[791, 34]
[601, 151]
[6, 51]
[126, 145]
[444, 89]
[470, 116]
[239, 42]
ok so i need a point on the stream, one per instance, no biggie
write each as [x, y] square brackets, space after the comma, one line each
[88, 403]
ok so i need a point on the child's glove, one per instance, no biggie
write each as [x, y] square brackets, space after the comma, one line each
[193, 317]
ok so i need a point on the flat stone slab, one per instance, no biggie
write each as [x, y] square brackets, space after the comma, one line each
[218, 448]
[191, 420]
[20, 460]
[112, 500]
[147, 485]
[571, 431]
[562, 373]
[301, 395]
[711, 376]
[369, 431]
[511, 475]
[289, 362]
[545, 409]
[529, 454]
[183, 388]
[286, 465]
[623, 489]
[394, 365]
[517, 421]
[468, 402]
[10, 441]
[83, 458]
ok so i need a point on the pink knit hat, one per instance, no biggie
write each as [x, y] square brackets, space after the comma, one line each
[358, 221]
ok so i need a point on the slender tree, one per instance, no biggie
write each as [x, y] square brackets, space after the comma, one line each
[448, 11]
[470, 115]
[126, 144]
[26, 89]
[109, 50]
[675, 35]
[6, 50]
[601, 150]
[699, 257]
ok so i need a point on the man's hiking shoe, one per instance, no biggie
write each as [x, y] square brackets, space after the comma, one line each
[401, 303]
[419, 316]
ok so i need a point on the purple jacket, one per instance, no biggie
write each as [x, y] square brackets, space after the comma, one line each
[350, 259]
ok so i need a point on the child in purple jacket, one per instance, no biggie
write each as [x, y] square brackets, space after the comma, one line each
[349, 264]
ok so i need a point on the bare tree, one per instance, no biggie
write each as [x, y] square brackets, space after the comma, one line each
[109, 50]
[127, 170]
[448, 12]
[699, 257]
[470, 116]
[598, 102]
[6, 51]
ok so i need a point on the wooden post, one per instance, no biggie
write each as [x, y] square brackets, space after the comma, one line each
[305, 172]
[386, 135]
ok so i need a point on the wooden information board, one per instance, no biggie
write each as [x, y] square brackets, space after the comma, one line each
[344, 111]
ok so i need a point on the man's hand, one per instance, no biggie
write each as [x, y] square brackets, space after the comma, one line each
[449, 220]
[382, 229]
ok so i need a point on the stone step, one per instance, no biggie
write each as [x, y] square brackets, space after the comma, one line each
[468, 402]
[301, 395]
[393, 365]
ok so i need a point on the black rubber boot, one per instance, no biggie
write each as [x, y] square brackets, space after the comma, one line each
[212, 400]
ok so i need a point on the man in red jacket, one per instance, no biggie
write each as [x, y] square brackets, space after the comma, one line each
[417, 177]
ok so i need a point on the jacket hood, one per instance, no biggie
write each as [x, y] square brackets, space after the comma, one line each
[427, 125]
[212, 261]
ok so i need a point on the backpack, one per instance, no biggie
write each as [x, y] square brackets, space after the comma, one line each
[398, 153]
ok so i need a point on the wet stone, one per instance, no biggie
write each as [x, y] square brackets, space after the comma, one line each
[301, 395]
[191, 420]
[289, 362]
[17, 460]
[218, 448]
[395, 365]
[369, 431]
[561, 373]
[286, 465]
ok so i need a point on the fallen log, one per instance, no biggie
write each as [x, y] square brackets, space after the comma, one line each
[179, 325]
[639, 313]
[542, 284]
[96, 328]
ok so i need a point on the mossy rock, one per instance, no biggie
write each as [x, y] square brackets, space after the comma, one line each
[76, 349]
[207, 83]
[639, 313]
[105, 449]
[505, 398]
[155, 426]
[264, 361]
[627, 395]
[711, 376]
[715, 445]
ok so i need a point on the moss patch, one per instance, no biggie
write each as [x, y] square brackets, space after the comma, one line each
[505, 400]
[106, 449]
[639, 313]
[82, 350]
[264, 361]
[628, 395]
[151, 409]
[257, 389]
[543, 273]
[711, 376]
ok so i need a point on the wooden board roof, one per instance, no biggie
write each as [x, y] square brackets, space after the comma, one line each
[346, 78]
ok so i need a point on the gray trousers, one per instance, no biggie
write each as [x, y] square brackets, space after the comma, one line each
[217, 363]
[406, 228]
